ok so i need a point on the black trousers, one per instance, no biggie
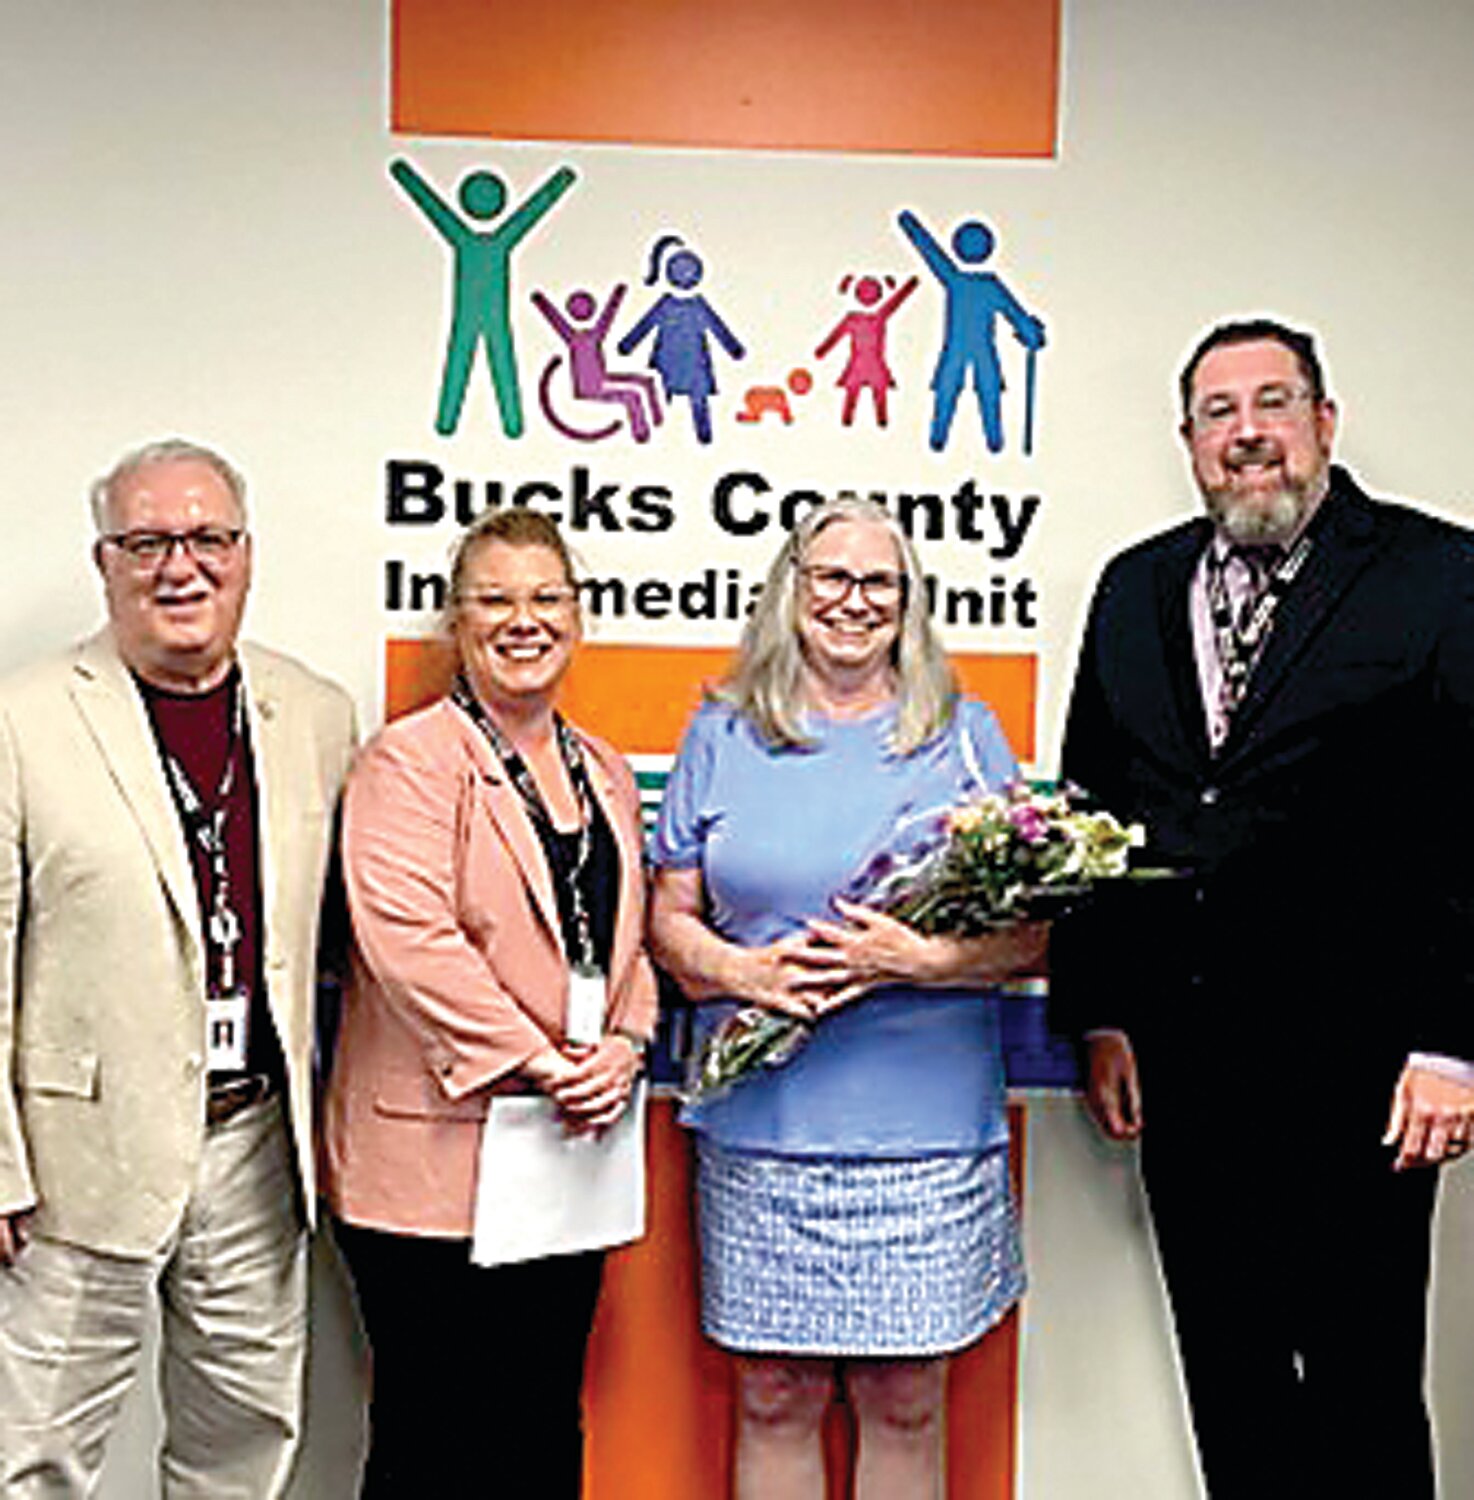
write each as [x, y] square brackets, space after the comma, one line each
[477, 1371]
[1297, 1265]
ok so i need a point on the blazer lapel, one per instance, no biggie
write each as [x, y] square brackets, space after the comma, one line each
[1342, 547]
[1174, 623]
[270, 754]
[508, 814]
[118, 722]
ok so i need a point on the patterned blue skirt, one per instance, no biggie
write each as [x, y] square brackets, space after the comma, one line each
[904, 1258]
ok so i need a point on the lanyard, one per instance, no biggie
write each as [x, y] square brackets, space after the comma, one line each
[1239, 636]
[518, 774]
[205, 820]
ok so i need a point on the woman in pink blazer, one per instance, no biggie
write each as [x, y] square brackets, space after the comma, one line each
[492, 858]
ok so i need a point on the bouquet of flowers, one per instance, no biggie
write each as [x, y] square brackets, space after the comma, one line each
[1019, 855]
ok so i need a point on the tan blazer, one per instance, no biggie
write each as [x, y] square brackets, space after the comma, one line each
[102, 1019]
[458, 974]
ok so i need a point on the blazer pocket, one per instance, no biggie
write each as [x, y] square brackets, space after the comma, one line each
[416, 1096]
[54, 1070]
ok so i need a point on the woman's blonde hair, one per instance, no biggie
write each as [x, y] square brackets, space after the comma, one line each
[765, 680]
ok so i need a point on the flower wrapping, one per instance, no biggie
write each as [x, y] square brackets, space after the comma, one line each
[1022, 854]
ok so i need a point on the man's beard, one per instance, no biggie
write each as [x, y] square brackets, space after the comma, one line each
[1254, 520]
[1258, 517]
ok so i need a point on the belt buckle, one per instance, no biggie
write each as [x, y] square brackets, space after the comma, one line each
[229, 1099]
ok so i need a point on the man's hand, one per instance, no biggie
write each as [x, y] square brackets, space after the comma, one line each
[1432, 1118]
[14, 1232]
[1113, 1086]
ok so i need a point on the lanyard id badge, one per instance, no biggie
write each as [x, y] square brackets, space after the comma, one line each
[584, 1023]
[587, 986]
[227, 1004]
[227, 1023]
[205, 815]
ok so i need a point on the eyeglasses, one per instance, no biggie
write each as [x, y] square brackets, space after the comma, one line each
[497, 607]
[882, 589]
[1270, 403]
[208, 545]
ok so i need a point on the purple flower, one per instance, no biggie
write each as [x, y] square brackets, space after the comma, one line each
[1029, 823]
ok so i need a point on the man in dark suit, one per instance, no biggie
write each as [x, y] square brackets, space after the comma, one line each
[1283, 692]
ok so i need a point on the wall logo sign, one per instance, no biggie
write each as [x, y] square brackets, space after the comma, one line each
[634, 362]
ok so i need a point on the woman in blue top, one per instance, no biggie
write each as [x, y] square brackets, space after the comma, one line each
[855, 1216]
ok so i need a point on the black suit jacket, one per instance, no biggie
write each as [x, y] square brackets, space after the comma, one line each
[1328, 845]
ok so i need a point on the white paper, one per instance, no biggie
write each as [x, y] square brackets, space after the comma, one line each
[541, 1191]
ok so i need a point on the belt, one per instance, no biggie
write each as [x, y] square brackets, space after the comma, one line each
[226, 1100]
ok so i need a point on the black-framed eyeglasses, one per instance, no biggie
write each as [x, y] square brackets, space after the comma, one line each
[884, 588]
[152, 549]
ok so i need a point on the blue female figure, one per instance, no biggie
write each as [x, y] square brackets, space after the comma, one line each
[681, 321]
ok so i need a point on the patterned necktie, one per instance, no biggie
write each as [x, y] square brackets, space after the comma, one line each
[1243, 595]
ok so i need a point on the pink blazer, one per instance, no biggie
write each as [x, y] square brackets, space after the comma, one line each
[458, 973]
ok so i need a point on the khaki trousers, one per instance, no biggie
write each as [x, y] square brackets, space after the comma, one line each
[232, 1288]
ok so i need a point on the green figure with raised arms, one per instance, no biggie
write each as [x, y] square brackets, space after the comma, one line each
[480, 309]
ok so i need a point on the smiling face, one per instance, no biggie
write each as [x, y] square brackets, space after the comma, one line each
[1259, 441]
[515, 624]
[175, 619]
[848, 606]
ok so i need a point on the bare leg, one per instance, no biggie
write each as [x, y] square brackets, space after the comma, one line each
[899, 1408]
[780, 1410]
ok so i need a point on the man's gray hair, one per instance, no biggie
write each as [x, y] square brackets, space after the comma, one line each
[164, 451]
[765, 682]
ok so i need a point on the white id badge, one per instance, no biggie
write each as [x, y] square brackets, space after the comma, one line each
[584, 1024]
[226, 1020]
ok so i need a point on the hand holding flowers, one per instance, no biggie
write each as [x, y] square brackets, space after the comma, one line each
[774, 976]
[961, 898]
[870, 948]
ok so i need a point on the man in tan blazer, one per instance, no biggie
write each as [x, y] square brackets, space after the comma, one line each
[166, 812]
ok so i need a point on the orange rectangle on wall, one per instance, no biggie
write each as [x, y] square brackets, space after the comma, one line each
[640, 698]
[973, 79]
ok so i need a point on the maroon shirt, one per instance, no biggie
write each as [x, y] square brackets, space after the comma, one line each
[196, 729]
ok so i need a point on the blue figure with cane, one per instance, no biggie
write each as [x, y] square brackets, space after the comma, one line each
[976, 299]
[682, 321]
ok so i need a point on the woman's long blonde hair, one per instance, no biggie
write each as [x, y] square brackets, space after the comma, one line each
[765, 680]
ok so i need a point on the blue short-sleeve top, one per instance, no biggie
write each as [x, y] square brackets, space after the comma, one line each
[776, 833]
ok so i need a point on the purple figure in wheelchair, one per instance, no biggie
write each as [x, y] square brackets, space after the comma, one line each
[583, 330]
